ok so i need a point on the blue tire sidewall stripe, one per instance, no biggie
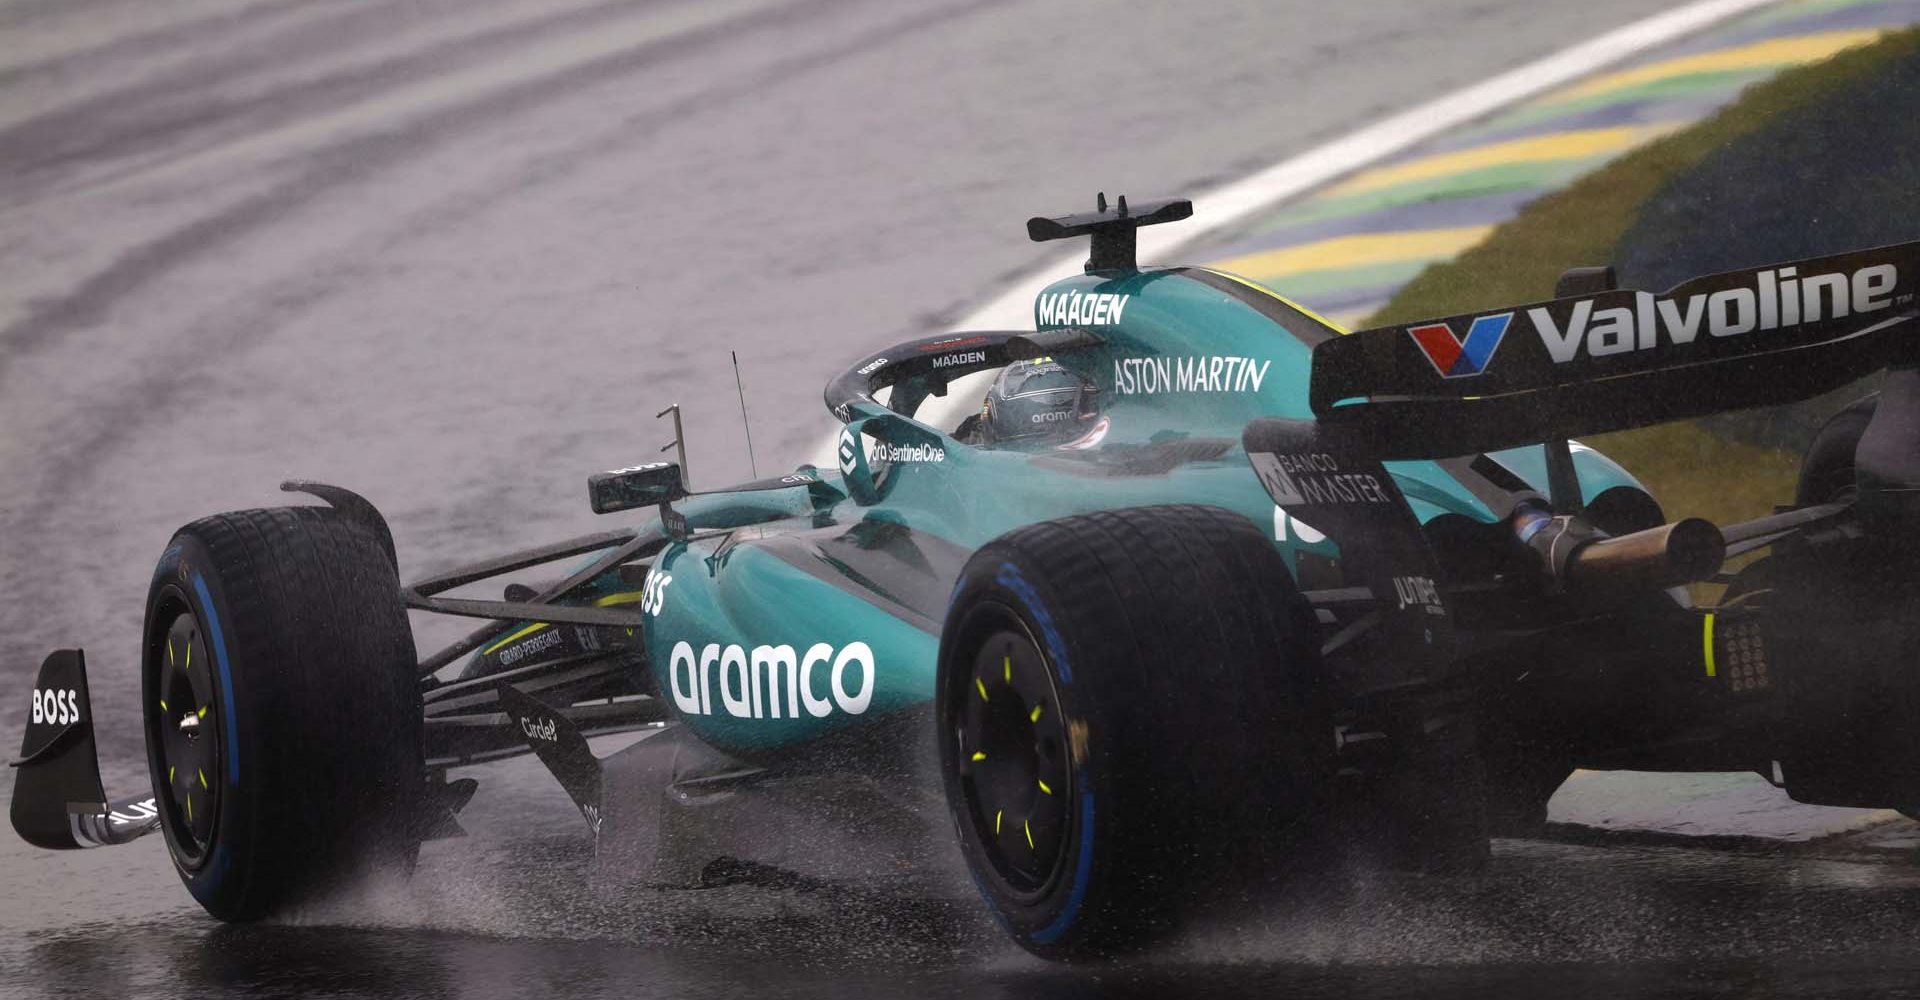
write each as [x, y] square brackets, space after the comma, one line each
[1081, 872]
[1010, 577]
[226, 678]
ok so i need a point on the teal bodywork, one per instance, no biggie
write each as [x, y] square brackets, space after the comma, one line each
[819, 614]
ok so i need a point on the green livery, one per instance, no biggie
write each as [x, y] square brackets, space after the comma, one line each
[1188, 358]
[1197, 583]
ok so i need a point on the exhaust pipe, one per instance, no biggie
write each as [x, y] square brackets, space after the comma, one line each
[1582, 560]
[1670, 555]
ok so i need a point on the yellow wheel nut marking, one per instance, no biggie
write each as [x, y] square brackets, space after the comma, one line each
[996, 821]
[163, 704]
[189, 807]
[1043, 786]
[169, 654]
[1006, 669]
[981, 686]
[189, 665]
[203, 711]
[169, 772]
[1036, 713]
[1027, 825]
[979, 755]
[203, 779]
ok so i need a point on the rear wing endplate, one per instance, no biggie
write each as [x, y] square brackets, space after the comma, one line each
[1616, 360]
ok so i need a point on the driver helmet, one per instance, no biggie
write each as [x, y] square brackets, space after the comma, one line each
[1037, 400]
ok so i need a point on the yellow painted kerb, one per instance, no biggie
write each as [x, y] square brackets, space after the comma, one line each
[1574, 145]
[1759, 55]
[1358, 250]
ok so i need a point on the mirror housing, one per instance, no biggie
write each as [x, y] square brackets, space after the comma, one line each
[639, 486]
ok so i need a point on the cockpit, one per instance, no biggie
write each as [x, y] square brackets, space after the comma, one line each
[1036, 403]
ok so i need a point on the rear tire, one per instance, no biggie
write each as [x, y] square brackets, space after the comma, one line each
[1431, 805]
[1518, 791]
[1160, 712]
[283, 718]
[1842, 643]
[1826, 471]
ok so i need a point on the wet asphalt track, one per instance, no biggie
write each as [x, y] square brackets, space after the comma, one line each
[456, 254]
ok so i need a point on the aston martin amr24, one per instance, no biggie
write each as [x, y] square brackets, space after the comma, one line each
[1196, 579]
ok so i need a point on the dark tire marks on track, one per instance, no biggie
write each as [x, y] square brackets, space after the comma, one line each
[348, 163]
[226, 335]
[182, 113]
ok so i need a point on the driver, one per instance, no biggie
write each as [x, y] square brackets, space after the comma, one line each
[1037, 401]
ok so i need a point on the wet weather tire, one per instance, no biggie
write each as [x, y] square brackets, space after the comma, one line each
[1826, 471]
[1132, 722]
[283, 718]
[1841, 640]
[1517, 793]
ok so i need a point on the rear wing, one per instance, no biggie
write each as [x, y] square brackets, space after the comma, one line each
[1620, 359]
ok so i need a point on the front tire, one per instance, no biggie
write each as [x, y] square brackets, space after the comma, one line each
[283, 718]
[1131, 716]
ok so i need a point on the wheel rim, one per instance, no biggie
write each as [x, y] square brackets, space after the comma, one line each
[186, 722]
[1015, 777]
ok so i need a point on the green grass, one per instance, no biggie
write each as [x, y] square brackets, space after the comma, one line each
[1696, 473]
[1692, 471]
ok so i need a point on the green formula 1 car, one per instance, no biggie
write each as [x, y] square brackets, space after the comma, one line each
[1198, 580]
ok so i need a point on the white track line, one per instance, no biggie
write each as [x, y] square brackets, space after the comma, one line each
[1232, 203]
